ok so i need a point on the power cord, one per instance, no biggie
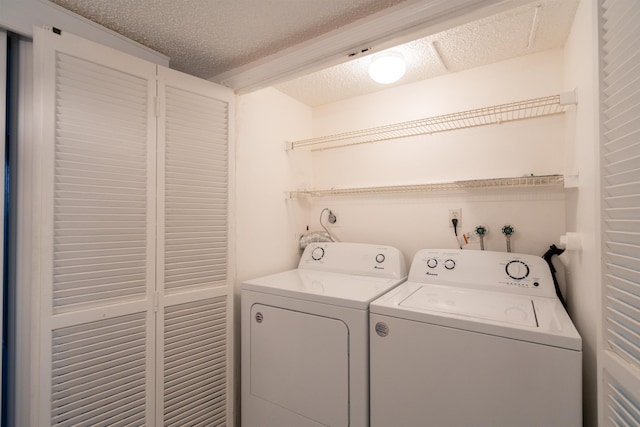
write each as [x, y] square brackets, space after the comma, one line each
[554, 250]
[454, 222]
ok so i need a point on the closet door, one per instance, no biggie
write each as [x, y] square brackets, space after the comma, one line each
[619, 355]
[193, 232]
[96, 237]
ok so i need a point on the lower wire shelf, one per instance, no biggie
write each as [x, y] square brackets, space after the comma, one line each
[515, 182]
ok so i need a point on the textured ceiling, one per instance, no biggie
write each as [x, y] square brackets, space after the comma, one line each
[208, 37]
[482, 42]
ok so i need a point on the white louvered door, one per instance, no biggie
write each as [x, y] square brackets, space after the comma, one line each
[133, 240]
[620, 149]
[97, 234]
[193, 284]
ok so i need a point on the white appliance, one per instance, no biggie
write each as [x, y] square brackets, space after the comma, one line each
[474, 338]
[305, 336]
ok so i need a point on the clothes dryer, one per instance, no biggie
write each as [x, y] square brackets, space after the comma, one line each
[305, 336]
[474, 338]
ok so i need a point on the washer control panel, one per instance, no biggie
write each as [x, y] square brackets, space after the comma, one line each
[354, 258]
[506, 272]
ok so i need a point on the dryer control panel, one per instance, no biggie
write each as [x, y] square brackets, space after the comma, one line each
[354, 258]
[500, 271]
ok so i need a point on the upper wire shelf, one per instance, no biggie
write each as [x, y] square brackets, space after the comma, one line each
[515, 182]
[521, 110]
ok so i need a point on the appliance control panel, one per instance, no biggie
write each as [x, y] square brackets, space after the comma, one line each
[500, 271]
[354, 258]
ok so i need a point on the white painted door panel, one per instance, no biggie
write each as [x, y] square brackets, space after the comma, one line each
[619, 352]
[192, 265]
[96, 173]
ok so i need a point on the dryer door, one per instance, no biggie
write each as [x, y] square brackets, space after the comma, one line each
[300, 362]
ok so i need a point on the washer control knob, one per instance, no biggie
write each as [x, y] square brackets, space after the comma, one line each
[380, 258]
[432, 263]
[317, 254]
[449, 264]
[517, 269]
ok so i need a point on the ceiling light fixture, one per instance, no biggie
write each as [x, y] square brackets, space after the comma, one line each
[387, 67]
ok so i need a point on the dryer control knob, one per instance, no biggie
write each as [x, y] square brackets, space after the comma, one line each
[449, 264]
[380, 258]
[317, 254]
[517, 269]
[432, 263]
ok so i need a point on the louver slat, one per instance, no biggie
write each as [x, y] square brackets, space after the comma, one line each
[620, 148]
[100, 185]
[624, 177]
[625, 249]
[98, 373]
[195, 190]
[195, 363]
[621, 407]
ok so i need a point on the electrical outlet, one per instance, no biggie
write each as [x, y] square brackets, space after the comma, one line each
[455, 214]
[332, 218]
[337, 218]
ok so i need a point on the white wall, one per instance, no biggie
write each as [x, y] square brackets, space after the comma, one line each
[267, 222]
[584, 272]
[411, 222]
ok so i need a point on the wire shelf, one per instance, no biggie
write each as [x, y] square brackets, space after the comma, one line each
[496, 114]
[516, 182]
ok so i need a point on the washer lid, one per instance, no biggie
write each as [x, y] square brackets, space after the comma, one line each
[511, 309]
[344, 290]
[533, 319]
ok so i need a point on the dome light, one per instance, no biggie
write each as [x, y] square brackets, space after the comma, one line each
[387, 68]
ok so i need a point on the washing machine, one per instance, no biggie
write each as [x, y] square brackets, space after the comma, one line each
[474, 338]
[305, 335]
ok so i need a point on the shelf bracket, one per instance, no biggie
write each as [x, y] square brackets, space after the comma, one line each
[571, 181]
[569, 98]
